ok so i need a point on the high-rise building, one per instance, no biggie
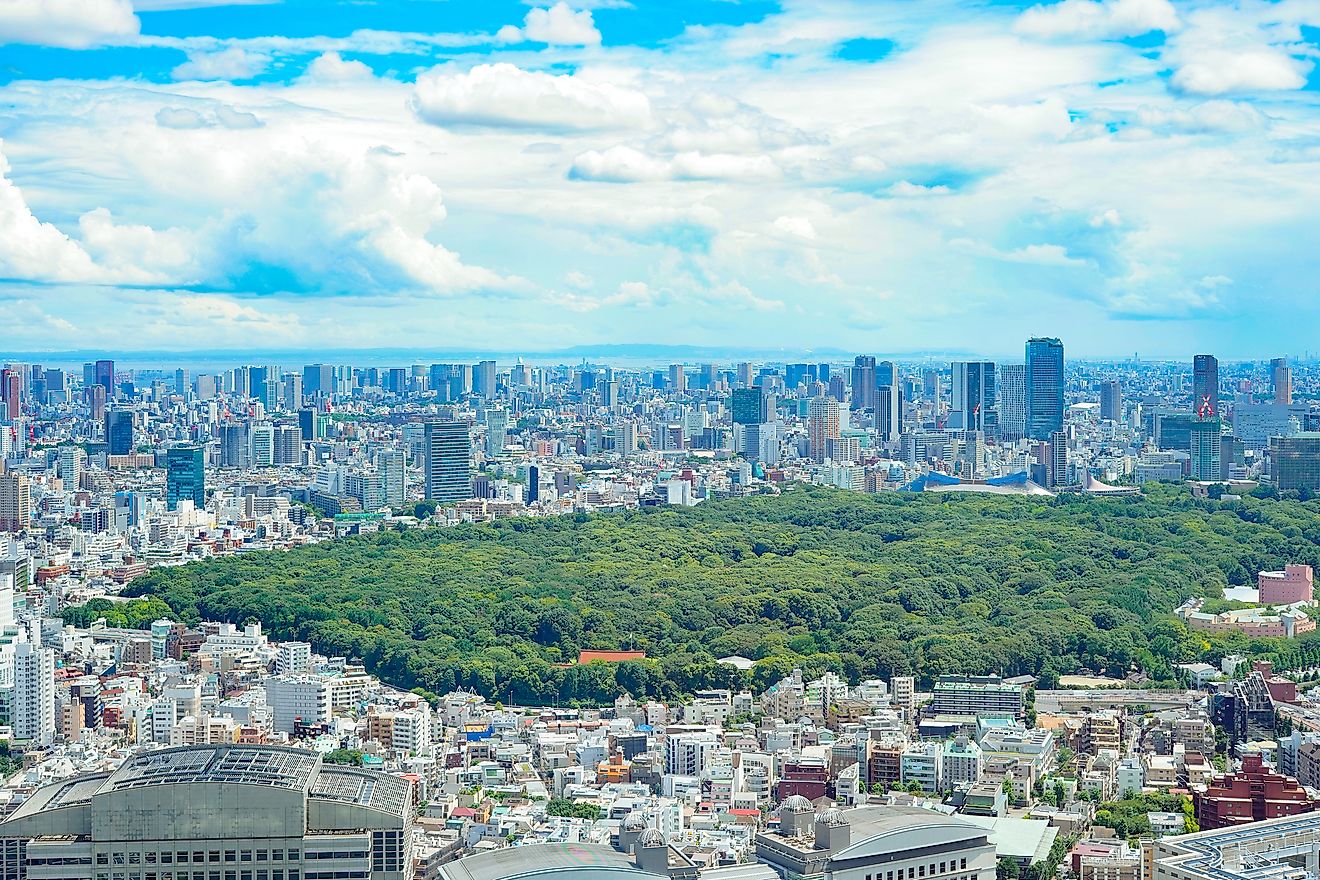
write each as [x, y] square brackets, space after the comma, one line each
[71, 459]
[392, 467]
[889, 412]
[749, 407]
[1281, 381]
[1044, 387]
[1111, 401]
[104, 375]
[483, 380]
[1058, 458]
[1012, 401]
[34, 694]
[119, 431]
[185, 476]
[974, 404]
[180, 381]
[677, 380]
[15, 502]
[533, 484]
[235, 449]
[1294, 461]
[822, 426]
[863, 383]
[1205, 384]
[261, 440]
[319, 379]
[1205, 446]
[287, 448]
[497, 430]
[448, 462]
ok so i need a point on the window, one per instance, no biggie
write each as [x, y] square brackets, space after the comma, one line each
[921, 870]
[167, 858]
[262, 855]
[231, 855]
[135, 858]
[151, 858]
[215, 855]
[962, 864]
[118, 858]
[277, 855]
[245, 855]
[103, 858]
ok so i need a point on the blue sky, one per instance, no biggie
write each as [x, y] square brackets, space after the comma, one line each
[1130, 175]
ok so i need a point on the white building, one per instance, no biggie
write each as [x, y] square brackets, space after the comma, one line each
[34, 694]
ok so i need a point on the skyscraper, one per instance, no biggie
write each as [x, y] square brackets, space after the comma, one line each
[34, 694]
[1281, 380]
[1205, 384]
[1206, 447]
[748, 406]
[533, 484]
[287, 446]
[677, 380]
[1111, 401]
[15, 502]
[889, 412]
[974, 404]
[1044, 387]
[392, 467]
[119, 431]
[261, 440]
[235, 451]
[483, 379]
[497, 429]
[863, 383]
[1012, 401]
[72, 459]
[104, 375]
[185, 476]
[822, 426]
[1058, 458]
[448, 461]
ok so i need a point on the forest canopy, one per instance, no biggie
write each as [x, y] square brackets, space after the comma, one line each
[866, 585]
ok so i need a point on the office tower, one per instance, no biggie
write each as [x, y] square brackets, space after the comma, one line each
[396, 380]
[930, 385]
[520, 376]
[837, 388]
[483, 380]
[261, 440]
[1281, 381]
[287, 446]
[823, 373]
[625, 438]
[1205, 446]
[235, 450]
[710, 376]
[307, 424]
[11, 390]
[761, 442]
[1057, 461]
[72, 459]
[609, 393]
[497, 429]
[974, 405]
[392, 467]
[103, 374]
[185, 476]
[863, 383]
[15, 502]
[748, 406]
[95, 397]
[56, 381]
[1232, 454]
[794, 375]
[533, 484]
[744, 374]
[822, 426]
[448, 461]
[206, 387]
[34, 694]
[889, 412]
[318, 379]
[180, 381]
[293, 393]
[1044, 381]
[1111, 401]
[1205, 384]
[677, 381]
[886, 374]
[1294, 462]
[119, 431]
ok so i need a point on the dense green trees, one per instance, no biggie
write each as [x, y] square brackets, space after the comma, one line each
[819, 578]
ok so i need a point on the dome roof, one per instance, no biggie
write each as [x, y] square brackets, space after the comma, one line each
[796, 804]
[833, 818]
[651, 837]
[634, 822]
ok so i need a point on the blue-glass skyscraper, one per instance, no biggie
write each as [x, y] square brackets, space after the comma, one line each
[1044, 387]
[185, 476]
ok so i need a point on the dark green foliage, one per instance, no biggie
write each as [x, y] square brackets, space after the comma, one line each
[137, 614]
[818, 578]
[572, 810]
[351, 757]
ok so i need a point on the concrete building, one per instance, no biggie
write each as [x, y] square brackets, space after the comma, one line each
[1292, 585]
[200, 810]
[976, 695]
[1284, 847]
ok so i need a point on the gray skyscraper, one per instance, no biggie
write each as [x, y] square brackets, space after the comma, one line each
[1205, 385]
[392, 467]
[483, 379]
[1012, 401]
[448, 461]
[975, 403]
[1044, 387]
[1111, 401]
[863, 383]
[889, 412]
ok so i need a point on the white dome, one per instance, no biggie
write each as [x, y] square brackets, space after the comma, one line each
[634, 822]
[796, 804]
[651, 837]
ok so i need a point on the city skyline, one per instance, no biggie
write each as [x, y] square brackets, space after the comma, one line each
[1129, 175]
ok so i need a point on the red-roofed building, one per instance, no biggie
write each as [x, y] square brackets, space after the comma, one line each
[1250, 795]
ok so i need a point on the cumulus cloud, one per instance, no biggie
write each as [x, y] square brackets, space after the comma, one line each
[180, 117]
[1034, 254]
[503, 95]
[1098, 19]
[232, 63]
[32, 250]
[558, 25]
[333, 67]
[69, 24]
[1225, 71]
[221, 115]
[796, 226]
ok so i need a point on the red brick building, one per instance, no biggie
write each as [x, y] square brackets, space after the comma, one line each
[1250, 795]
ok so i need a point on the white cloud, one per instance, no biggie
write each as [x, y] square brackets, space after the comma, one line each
[229, 117]
[1219, 72]
[797, 226]
[32, 250]
[70, 24]
[332, 67]
[1098, 19]
[636, 294]
[233, 63]
[624, 164]
[558, 25]
[505, 95]
[180, 117]
[1034, 254]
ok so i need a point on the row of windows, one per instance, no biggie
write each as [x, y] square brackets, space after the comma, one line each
[356, 854]
[199, 857]
[336, 875]
[263, 874]
[919, 871]
[66, 860]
